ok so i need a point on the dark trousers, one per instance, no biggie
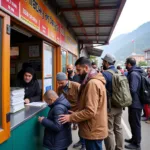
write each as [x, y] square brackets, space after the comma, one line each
[135, 124]
[93, 144]
[81, 140]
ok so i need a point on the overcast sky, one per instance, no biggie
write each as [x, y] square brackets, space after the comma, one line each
[134, 14]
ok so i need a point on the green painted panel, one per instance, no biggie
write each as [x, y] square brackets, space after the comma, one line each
[28, 136]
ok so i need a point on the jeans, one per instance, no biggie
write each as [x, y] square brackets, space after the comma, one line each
[93, 144]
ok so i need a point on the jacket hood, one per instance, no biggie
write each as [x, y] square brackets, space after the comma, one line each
[100, 77]
[63, 101]
[136, 69]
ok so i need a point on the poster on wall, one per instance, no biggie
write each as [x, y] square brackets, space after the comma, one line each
[34, 51]
[47, 84]
[36, 64]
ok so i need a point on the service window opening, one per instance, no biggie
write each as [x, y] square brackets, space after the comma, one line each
[25, 67]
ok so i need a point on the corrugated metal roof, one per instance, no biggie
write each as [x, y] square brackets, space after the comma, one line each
[84, 3]
[107, 16]
[104, 30]
[63, 3]
[71, 18]
[90, 30]
[109, 2]
[87, 19]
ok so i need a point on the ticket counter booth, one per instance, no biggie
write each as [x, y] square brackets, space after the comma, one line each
[24, 37]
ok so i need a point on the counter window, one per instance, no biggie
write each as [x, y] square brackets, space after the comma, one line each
[0, 72]
[64, 56]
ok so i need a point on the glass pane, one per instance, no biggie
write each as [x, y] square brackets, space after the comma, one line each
[64, 61]
[74, 59]
[0, 72]
[48, 67]
[70, 58]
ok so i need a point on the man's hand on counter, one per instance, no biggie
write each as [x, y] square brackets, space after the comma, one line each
[40, 119]
[26, 101]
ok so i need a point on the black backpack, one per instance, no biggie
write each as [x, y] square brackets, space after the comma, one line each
[145, 89]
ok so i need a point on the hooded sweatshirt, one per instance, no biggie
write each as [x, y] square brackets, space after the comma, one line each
[92, 114]
[134, 78]
[32, 89]
[56, 135]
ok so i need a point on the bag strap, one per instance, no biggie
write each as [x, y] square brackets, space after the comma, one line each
[113, 72]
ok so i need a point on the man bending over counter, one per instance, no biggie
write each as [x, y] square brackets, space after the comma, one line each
[31, 86]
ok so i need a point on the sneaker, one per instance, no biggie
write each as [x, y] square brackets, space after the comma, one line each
[133, 147]
[77, 144]
[148, 121]
[128, 140]
[83, 148]
[144, 119]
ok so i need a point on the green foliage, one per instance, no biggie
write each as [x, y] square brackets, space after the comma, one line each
[94, 59]
[142, 63]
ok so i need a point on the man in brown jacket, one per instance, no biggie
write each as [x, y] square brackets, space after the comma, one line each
[92, 114]
[69, 89]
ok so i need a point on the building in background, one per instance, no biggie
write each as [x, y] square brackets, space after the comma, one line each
[138, 57]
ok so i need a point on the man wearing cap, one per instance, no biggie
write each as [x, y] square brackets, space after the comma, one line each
[70, 89]
[114, 114]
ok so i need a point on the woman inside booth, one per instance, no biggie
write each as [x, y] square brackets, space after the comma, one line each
[31, 86]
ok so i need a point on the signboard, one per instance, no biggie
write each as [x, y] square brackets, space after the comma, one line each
[38, 16]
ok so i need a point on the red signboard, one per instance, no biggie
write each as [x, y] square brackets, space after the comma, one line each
[44, 29]
[12, 6]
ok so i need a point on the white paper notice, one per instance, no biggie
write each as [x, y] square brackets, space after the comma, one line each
[48, 60]
[36, 104]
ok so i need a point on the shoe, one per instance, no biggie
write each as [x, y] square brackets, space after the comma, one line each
[144, 119]
[133, 147]
[75, 127]
[83, 148]
[77, 144]
[148, 121]
[128, 140]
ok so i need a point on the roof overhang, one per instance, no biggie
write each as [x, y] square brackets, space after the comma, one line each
[92, 21]
[94, 51]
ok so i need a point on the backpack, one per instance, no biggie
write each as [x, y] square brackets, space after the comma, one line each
[145, 89]
[121, 96]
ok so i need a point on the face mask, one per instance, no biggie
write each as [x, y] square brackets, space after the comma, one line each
[70, 72]
[82, 76]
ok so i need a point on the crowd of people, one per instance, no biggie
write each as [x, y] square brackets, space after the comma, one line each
[82, 100]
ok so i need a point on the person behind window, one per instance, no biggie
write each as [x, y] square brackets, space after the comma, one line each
[31, 86]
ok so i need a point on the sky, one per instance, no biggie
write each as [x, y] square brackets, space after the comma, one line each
[134, 14]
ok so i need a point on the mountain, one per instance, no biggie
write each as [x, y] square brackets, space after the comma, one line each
[122, 46]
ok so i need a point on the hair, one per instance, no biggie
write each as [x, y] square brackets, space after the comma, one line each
[118, 67]
[83, 61]
[51, 93]
[93, 63]
[131, 61]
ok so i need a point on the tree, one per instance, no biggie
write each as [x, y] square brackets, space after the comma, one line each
[94, 59]
[142, 63]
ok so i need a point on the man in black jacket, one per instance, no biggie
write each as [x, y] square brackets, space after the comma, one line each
[135, 110]
[56, 135]
[71, 74]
